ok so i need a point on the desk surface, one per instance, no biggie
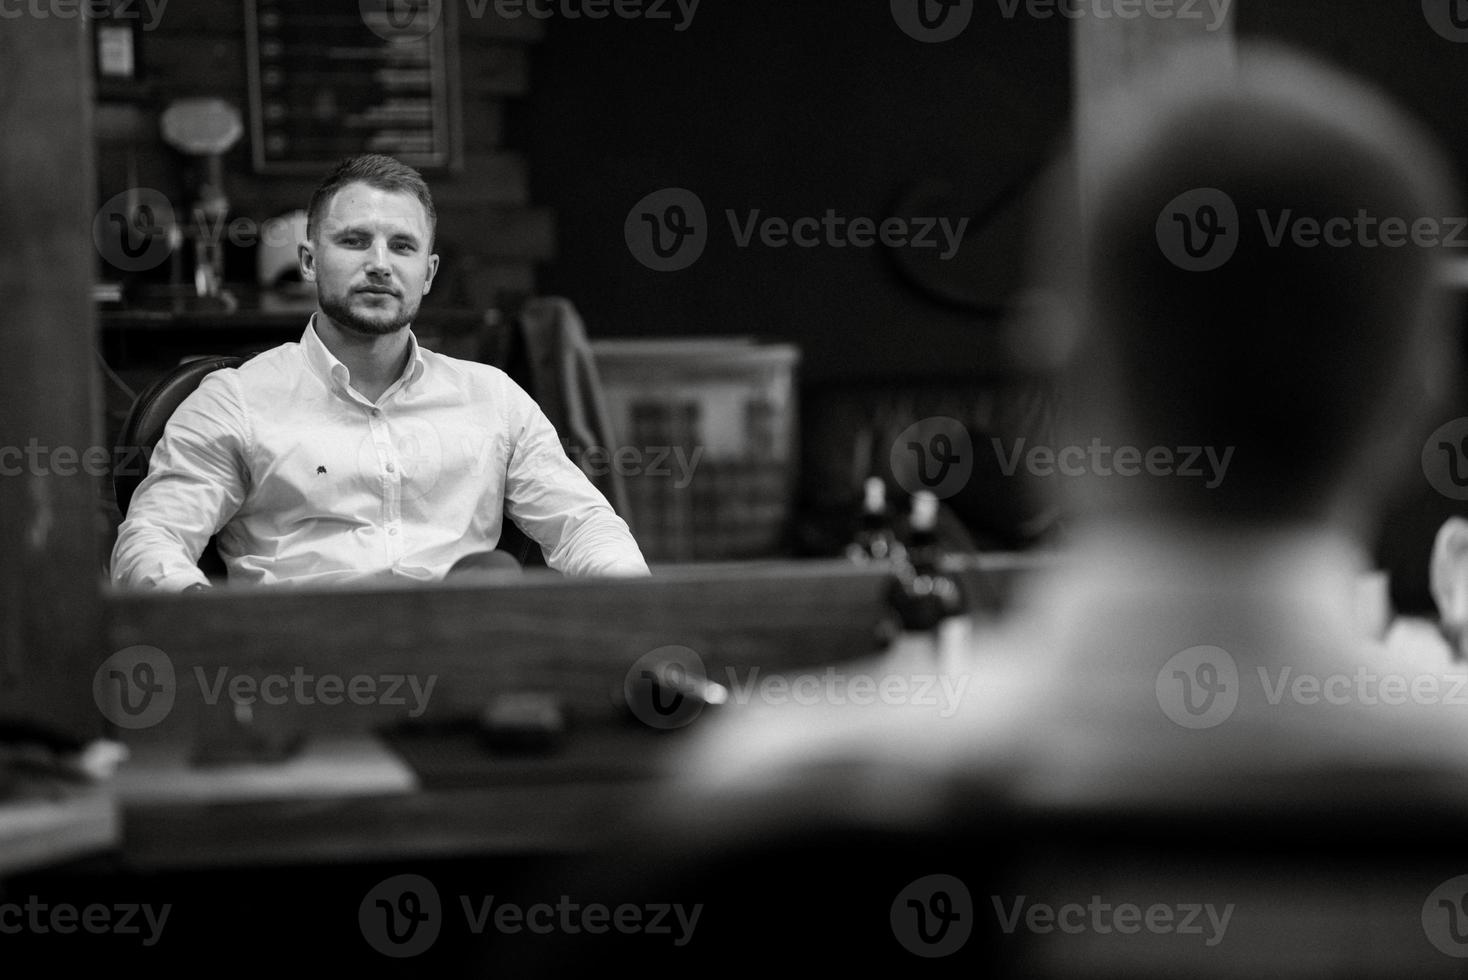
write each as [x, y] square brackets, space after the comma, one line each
[44, 821]
[349, 796]
[353, 798]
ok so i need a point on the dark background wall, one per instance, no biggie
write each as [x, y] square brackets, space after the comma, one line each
[789, 108]
[794, 109]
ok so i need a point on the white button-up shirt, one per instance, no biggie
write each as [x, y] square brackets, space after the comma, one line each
[306, 481]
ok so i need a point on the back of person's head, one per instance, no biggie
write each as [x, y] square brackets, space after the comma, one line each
[1258, 273]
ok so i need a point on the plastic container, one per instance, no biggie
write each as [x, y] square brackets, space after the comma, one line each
[706, 431]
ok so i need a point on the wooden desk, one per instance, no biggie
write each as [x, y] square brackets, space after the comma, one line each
[46, 821]
[350, 798]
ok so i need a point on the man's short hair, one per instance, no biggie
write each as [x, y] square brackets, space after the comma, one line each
[374, 170]
[1296, 351]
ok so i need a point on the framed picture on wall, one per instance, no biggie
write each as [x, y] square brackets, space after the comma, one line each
[334, 78]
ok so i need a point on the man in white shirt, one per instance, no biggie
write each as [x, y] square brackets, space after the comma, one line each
[355, 454]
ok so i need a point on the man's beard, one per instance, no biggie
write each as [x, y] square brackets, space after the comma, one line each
[341, 313]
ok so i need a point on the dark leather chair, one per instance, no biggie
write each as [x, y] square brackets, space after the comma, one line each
[148, 417]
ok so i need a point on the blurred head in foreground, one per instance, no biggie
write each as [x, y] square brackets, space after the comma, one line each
[1255, 293]
[1245, 282]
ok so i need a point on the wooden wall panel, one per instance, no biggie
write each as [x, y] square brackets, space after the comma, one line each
[50, 572]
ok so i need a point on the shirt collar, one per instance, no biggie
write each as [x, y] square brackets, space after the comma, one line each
[324, 364]
[1316, 572]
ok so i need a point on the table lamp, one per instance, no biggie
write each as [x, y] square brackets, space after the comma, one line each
[206, 128]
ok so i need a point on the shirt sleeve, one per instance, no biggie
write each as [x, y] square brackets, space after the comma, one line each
[549, 497]
[196, 482]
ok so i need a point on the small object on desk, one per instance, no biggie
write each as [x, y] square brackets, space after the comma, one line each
[667, 694]
[107, 291]
[925, 594]
[524, 722]
[234, 735]
[875, 539]
[32, 750]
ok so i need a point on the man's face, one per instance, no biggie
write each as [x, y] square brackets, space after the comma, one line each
[369, 259]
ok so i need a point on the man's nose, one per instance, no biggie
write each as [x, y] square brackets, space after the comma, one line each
[377, 259]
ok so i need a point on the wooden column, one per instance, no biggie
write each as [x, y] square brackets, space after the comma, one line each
[50, 573]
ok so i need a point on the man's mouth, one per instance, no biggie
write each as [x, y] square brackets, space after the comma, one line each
[378, 290]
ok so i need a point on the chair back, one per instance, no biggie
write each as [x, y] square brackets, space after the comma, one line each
[149, 416]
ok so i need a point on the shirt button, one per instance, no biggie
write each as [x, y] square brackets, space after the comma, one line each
[391, 468]
[376, 412]
[392, 530]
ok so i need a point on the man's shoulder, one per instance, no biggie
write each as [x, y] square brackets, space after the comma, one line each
[267, 364]
[475, 375]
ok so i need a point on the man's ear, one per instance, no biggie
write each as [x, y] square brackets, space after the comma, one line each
[432, 271]
[307, 258]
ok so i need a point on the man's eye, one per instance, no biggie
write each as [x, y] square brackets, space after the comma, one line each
[350, 241]
[405, 247]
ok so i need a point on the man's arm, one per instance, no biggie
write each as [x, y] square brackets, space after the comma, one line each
[555, 503]
[196, 481]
